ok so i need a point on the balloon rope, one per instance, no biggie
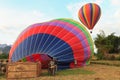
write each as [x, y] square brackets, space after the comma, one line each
[42, 38]
[44, 49]
[53, 39]
[63, 44]
[31, 40]
[35, 44]
[59, 40]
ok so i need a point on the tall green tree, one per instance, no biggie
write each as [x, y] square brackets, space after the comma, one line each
[115, 41]
[107, 44]
[4, 56]
[102, 43]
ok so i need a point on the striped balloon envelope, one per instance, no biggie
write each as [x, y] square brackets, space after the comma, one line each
[89, 14]
[66, 40]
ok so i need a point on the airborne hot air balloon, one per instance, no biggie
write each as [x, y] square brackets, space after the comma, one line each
[89, 14]
[63, 39]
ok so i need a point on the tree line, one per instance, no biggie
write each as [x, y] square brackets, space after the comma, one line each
[107, 46]
[5, 51]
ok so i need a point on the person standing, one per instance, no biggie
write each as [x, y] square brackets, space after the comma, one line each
[52, 67]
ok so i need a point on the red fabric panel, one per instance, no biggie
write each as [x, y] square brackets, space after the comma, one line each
[96, 14]
[28, 58]
[53, 30]
[42, 58]
[87, 14]
[37, 57]
[80, 15]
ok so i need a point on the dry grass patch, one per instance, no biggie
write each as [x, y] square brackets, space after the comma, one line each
[106, 62]
[91, 72]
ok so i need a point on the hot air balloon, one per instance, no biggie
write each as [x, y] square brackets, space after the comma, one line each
[65, 40]
[89, 15]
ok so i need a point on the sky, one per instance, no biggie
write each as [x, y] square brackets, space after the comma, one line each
[16, 15]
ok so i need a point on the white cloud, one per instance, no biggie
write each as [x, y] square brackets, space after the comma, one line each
[115, 2]
[117, 14]
[15, 17]
[12, 22]
[74, 8]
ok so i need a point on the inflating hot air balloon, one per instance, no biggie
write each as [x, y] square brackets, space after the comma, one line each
[63, 39]
[89, 14]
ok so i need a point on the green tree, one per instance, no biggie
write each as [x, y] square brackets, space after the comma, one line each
[102, 43]
[6, 49]
[115, 42]
[4, 56]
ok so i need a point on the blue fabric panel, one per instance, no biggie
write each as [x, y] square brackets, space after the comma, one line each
[45, 44]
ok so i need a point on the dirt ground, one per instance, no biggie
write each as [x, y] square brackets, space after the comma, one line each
[101, 72]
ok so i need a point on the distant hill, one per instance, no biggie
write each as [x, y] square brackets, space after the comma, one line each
[3, 45]
[4, 48]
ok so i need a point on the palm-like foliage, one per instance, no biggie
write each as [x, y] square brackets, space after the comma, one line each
[115, 41]
[102, 43]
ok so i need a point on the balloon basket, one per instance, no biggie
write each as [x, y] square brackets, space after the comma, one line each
[23, 70]
[91, 32]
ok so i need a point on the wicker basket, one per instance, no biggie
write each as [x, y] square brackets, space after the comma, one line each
[23, 70]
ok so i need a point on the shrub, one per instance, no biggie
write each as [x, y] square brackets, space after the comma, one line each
[112, 57]
[3, 56]
[99, 56]
[118, 58]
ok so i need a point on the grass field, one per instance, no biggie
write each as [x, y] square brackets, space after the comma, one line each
[91, 72]
[106, 62]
